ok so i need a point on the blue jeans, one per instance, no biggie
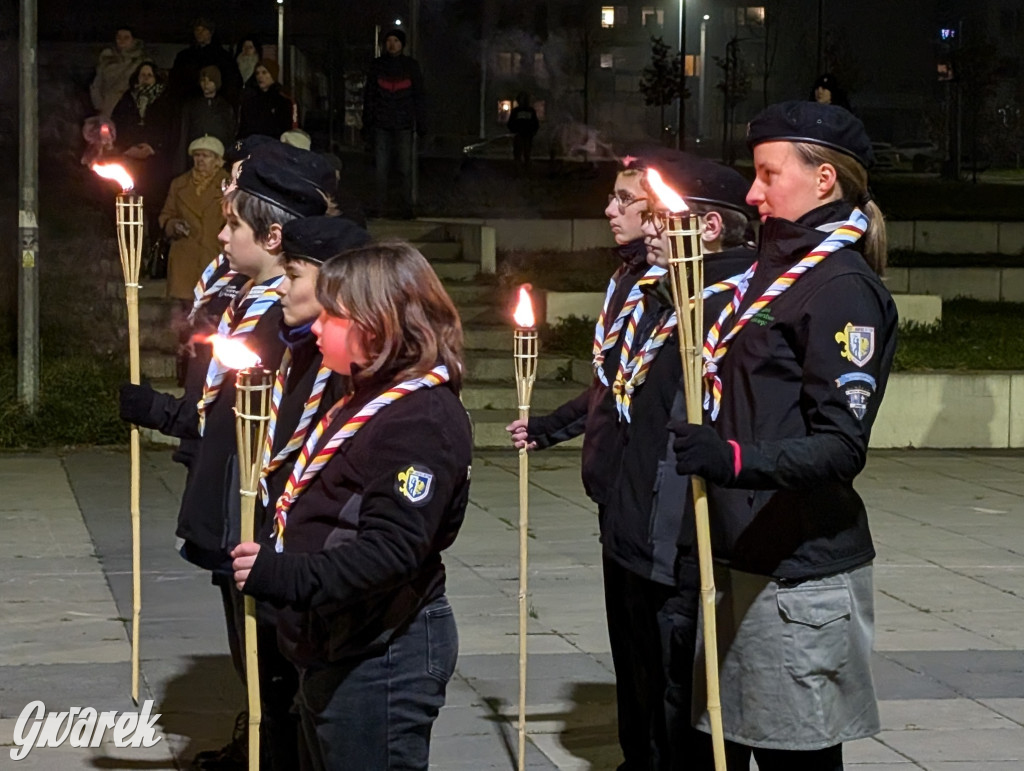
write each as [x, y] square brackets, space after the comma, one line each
[394, 153]
[375, 713]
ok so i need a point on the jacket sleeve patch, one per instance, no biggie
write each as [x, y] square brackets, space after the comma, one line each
[857, 387]
[415, 484]
[856, 344]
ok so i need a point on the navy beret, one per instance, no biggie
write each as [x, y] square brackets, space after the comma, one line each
[242, 148]
[819, 124]
[698, 180]
[317, 239]
[288, 180]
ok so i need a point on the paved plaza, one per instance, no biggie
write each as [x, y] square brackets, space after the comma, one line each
[949, 663]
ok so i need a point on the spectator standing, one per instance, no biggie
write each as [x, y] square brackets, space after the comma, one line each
[113, 70]
[523, 125]
[265, 109]
[826, 90]
[192, 217]
[204, 51]
[393, 107]
[248, 55]
[207, 115]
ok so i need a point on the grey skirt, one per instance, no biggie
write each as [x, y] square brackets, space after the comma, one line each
[794, 660]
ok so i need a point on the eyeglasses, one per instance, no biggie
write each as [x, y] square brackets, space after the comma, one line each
[648, 217]
[623, 204]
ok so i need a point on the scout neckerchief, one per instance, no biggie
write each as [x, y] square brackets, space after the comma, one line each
[314, 457]
[715, 349]
[635, 372]
[253, 301]
[634, 304]
[204, 290]
[271, 464]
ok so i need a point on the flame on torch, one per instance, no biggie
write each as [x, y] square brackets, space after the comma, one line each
[668, 197]
[523, 315]
[232, 352]
[116, 172]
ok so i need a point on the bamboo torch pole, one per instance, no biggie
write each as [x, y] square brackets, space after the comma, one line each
[686, 274]
[129, 243]
[525, 353]
[252, 416]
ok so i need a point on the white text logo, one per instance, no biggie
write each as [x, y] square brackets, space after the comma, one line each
[81, 728]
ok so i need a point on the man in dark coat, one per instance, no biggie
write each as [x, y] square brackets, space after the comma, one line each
[205, 50]
[393, 107]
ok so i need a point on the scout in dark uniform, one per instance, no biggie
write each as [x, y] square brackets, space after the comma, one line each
[596, 413]
[645, 507]
[272, 188]
[796, 368]
[378, 492]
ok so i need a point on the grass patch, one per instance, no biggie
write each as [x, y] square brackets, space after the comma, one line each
[78, 404]
[973, 335]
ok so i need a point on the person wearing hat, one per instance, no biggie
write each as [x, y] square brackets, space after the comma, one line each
[272, 188]
[191, 217]
[205, 50]
[394, 106]
[355, 564]
[208, 114]
[265, 109]
[826, 90]
[796, 367]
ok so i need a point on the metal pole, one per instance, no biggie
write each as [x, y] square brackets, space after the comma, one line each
[702, 117]
[681, 108]
[280, 42]
[28, 226]
[414, 29]
[821, 4]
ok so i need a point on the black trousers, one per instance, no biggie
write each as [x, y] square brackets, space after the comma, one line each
[631, 606]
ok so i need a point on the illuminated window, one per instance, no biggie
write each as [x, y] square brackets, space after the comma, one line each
[650, 17]
[509, 62]
[607, 16]
[607, 61]
[692, 66]
[751, 16]
[504, 110]
[539, 70]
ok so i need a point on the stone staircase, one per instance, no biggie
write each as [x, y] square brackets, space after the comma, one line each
[489, 391]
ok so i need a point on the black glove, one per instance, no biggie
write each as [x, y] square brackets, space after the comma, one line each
[700, 450]
[136, 402]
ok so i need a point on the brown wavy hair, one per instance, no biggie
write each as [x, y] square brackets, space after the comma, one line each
[407, 321]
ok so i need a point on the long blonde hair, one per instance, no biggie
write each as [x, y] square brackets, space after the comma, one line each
[852, 179]
[407, 320]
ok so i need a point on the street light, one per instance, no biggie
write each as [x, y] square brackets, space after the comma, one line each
[702, 114]
[681, 110]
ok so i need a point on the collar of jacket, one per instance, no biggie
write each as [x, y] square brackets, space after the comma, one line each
[633, 254]
[783, 242]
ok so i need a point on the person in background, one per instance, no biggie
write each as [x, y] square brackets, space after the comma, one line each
[192, 217]
[523, 125]
[204, 51]
[247, 55]
[355, 564]
[265, 109]
[826, 90]
[798, 363]
[394, 106]
[209, 114]
[114, 68]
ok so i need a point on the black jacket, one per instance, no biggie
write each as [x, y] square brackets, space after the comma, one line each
[184, 80]
[209, 519]
[361, 556]
[645, 508]
[799, 398]
[305, 363]
[394, 98]
[265, 112]
[523, 121]
[593, 412]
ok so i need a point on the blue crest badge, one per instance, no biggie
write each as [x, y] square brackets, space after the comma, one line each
[415, 484]
[856, 344]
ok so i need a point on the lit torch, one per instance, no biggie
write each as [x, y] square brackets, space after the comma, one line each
[686, 275]
[253, 391]
[525, 353]
[129, 243]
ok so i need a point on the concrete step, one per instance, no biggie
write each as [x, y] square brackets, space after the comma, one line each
[441, 251]
[489, 430]
[491, 337]
[478, 314]
[455, 270]
[473, 294]
[407, 230]
[156, 365]
[547, 395]
[492, 366]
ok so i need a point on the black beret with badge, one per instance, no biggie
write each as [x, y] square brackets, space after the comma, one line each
[294, 181]
[317, 239]
[243, 148]
[698, 180]
[820, 124]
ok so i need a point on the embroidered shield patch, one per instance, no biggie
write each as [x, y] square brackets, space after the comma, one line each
[857, 387]
[856, 343]
[415, 484]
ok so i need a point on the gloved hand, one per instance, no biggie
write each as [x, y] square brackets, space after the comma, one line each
[700, 450]
[136, 402]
